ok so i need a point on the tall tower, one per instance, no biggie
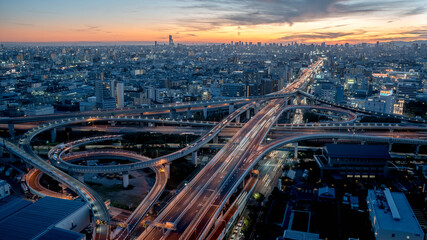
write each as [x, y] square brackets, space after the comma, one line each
[170, 41]
[120, 95]
[113, 84]
[102, 91]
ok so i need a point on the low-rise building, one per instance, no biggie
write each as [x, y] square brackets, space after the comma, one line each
[392, 216]
[353, 160]
[47, 218]
[4, 189]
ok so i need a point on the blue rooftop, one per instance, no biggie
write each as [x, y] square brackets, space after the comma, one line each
[11, 205]
[357, 151]
[36, 218]
[58, 233]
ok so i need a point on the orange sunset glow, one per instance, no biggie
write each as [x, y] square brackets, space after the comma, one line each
[308, 21]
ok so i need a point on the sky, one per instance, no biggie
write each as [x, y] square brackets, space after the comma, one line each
[213, 21]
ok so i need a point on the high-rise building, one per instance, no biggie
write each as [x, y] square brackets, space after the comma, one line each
[407, 89]
[233, 90]
[102, 91]
[103, 95]
[113, 88]
[120, 100]
[171, 44]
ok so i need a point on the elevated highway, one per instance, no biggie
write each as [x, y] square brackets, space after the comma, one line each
[95, 202]
[196, 208]
[208, 136]
[361, 110]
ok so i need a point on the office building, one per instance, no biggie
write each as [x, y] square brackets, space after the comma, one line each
[392, 217]
[353, 160]
[407, 89]
[171, 44]
[103, 95]
[233, 90]
[328, 90]
[113, 84]
[40, 110]
[381, 103]
[102, 90]
[120, 99]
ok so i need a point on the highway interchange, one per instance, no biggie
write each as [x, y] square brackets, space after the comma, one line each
[193, 212]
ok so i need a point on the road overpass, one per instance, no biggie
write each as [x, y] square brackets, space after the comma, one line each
[208, 136]
[195, 208]
[96, 204]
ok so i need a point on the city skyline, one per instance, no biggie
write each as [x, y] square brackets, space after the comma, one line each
[308, 21]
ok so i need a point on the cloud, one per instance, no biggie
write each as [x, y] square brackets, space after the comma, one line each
[216, 13]
[334, 26]
[415, 11]
[92, 29]
[317, 36]
[357, 36]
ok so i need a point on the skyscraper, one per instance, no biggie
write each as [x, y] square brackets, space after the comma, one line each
[170, 41]
[101, 90]
[120, 95]
[103, 95]
[113, 88]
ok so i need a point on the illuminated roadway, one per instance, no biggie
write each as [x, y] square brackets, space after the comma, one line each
[197, 205]
[208, 136]
[96, 204]
[162, 174]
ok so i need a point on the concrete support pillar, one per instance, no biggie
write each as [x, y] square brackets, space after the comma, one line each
[215, 139]
[125, 179]
[205, 112]
[168, 170]
[296, 151]
[113, 123]
[172, 113]
[53, 135]
[256, 109]
[150, 124]
[391, 130]
[238, 119]
[11, 130]
[279, 184]
[188, 112]
[417, 149]
[64, 187]
[194, 157]
[230, 108]
[248, 113]
[335, 140]
[80, 177]
[390, 146]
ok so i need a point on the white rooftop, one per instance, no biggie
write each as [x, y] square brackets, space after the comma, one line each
[393, 212]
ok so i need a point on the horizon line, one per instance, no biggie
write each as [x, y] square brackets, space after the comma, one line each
[196, 43]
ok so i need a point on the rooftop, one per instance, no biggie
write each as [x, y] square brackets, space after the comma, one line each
[357, 151]
[34, 219]
[393, 212]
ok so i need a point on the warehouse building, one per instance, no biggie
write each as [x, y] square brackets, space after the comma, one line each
[47, 218]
